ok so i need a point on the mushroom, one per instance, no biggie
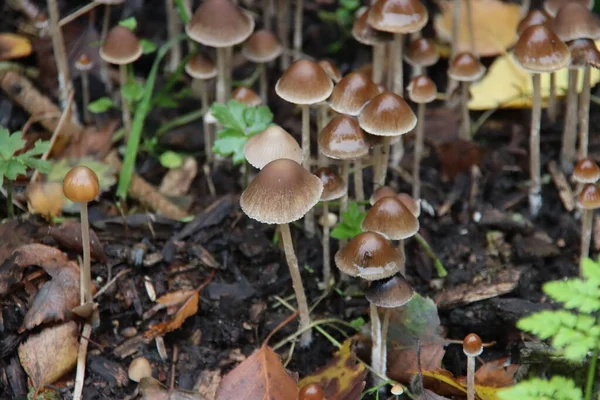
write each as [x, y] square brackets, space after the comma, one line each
[139, 368]
[332, 71]
[271, 144]
[380, 193]
[537, 51]
[587, 171]
[311, 391]
[84, 64]
[472, 347]
[421, 53]
[365, 34]
[553, 6]
[262, 47]
[281, 193]
[105, 24]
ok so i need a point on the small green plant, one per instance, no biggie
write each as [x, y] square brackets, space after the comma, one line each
[12, 165]
[343, 17]
[573, 330]
[350, 224]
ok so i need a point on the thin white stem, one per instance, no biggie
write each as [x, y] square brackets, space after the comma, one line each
[398, 46]
[207, 136]
[471, 27]
[535, 190]
[81, 357]
[263, 82]
[376, 338]
[322, 120]
[465, 131]
[552, 100]
[60, 53]
[305, 136]
[384, 160]
[584, 114]
[283, 10]
[221, 72]
[126, 112]
[359, 188]
[567, 153]
[326, 249]
[346, 178]
[470, 378]
[298, 20]
[267, 13]
[378, 57]
[384, 333]
[86, 271]
[85, 88]
[228, 72]
[418, 152]
[586, 235]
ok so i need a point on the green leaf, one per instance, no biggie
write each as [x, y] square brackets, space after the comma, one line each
[591, 270]
[350, 224]
[100, 105]
[350, 5]
[132, 91]
[557, 388]
[357, 323]
[129, 23]
[148, 46]
[257, 119]
[42, 166]
[343, 16]
[170, 159]
[13, 168]
[226, 145]
[9, 144]
[39, 148]
[575, 293]
[165, 102]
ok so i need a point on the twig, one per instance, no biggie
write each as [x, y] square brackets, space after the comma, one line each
[76, 14]
[81, 356]
[111, 282]
[564, 189]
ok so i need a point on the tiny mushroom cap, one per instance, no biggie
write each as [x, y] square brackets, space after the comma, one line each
[391, 218]
[472, 345]
[351, 94]
[41, 21]
[262, 46]
[332, 71]
[589, 197]
[575, 21]
[422, 52]
[201, 67]
[333, 184]
[139, 369]
[332, 219]
[365, 34]
[583, 53]
[369, 256]
[246, 96]
[552, 6]
[271, 144]
[81, 185]
[534, 17]
[398, 16]
[380, 193]
[343, 139]
[465, 67]
[387, 114]
[422, 89]
[304, 82]
[390, 293]
[220, 23]
[281, 193]
[397, 389]
[311, 391]
[121, 46]
[586, 171]
[84, 62]
[414, 206]
[540, 50]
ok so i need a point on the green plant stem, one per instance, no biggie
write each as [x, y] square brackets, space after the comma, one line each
[441, 271]
[179, 121]
[591, 375]
[9, 198]
[183, 13]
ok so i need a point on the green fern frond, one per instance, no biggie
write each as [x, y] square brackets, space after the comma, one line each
[579, 294]
[591, 270]
[557, 388]
[546, 324]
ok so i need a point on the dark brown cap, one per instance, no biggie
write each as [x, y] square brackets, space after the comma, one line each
[465, 67]
[369, 256]
[332, 71]
[304, 82]
[365, 34]
[422, 52]
[311, 391]
[84, 62]
[262, 47]
[121, 46]
[219, 23]
[472, 345]
[398, 16]
[80, 184]
[343, 139]
[380, 193]
[552, 6]
[351, 94]
[534, 17]
[414, 206]
[333, 184]
[201, 67]
[583, 53]
[586, 171]
[281, 193]
[422, 89]
[390, 293]
[391, 218]
[387, 114]
[589, 197]
[540, 50]
[246, 96]
[271, 144]
[576, 21]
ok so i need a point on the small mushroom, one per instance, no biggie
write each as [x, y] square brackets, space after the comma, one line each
[271, 144]
[311, 391]
[84, 64]
[261, 48]
[472, 347]
[139, 369]
[246, 96]
[589, 200]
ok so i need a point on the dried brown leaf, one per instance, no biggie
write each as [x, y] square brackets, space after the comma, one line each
[68, 235]
[496, 374]
[151, 389]
[177, 181]
[45, 198]
[187, 309]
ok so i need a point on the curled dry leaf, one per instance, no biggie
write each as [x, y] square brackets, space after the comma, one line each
[48, 355]
[45, 198]
[13, 46]
[189, 306]
[151, 389]
[177, 181]
[68, 235]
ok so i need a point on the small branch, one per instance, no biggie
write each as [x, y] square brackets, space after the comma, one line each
[83, 10]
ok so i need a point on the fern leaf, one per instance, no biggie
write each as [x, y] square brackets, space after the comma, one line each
[579, 294]
[546, 324]
[591, 270]
[557, 388]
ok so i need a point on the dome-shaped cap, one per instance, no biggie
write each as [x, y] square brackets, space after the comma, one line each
[333, 184]
[351, 94]
[391, 218]
[552, 6]
[534, 17]
[80, 184]
[271, 144]
[219, 23]
[398, 16]
[369, 256]
[281, 193]
[343, 139]
[262, 46]
[365, 34]
[472, 345]
[121, 46]
[575, 21]
[380, 193]
[540, 50]
[465, 67]
[414, 206]
[589, 197]
[332, 71]
[84, 62]
[246, 96]
[422, 52]
[387, 114]
[304, 82]
[586, 171]
[201, 67]
[583, 53]
[421, 89]
[390, 293]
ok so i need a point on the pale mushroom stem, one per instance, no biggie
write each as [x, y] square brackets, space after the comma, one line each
[383, 161]
[207, 136]
[470, 378]
[346, 178]
[173, 29]
[283, 9]
[298, 19]
[552, 100]
[465, 131]
[398, 48]
[535, 190]
[584, 114]
[263, 83]
[221, 94]
[451, 85]
[567, 152]
[377, 339]
[322, 120]
[309, 218]
[228, 72]
[359, 188]
[418, 152]
[586, 235]
[123, 76]
[86, 272]
[290, 255]
[104, 74]
[471, 26]
[267, 14]
[384, 333]
[378, 57]
[60, 54]
[85, 88]
[326, 249]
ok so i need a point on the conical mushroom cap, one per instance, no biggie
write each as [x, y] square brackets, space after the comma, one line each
[369, 256]
[387, 114]
[343, 139]
[271, 144]
[304, 82]
[262, 46]
[540, 50]
[575, 21]
[380, 193]
[365, 34]
[586, 171]
[392, 219]
[121, 46]
[589, 198]
[465, 67]
[200, 67]
[422, 89]
[332, 71]
[333, 184]
[422, 52]
[390, 293]
[552, 6]
[398, 16]
[583, 53]
[414, 206]
[281, 193]
[534, 17]
[351, 94]
[219, 23]
[246, 96]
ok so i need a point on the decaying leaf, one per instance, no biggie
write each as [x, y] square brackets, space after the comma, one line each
[48, 355]
[13, 46]
[343, 378]
[68, 235]
[151, 389]
[178, 180]
[458, 156]
[45, 198]
[261, 376]
[188, 301]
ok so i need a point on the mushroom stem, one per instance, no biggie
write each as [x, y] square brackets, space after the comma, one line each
[263, 83]
[124, 106]
[104, 74]
[267, 14]
[535, 190]
[471, 26]
[86, 271]
[416, 194]
[309, 218]
[567, 152]
[465, 126]
[85, 88]
[383, 161]
[290, 255]
[552, 100]
[398, 48]
[384, 333]
[346, 178]
[207, 136]
[221, 72]
[584, 114]
[586, 235]
[298, 29]
[376, 338]
[86, 332]
[378, 57]
[359, 188]
[470, 378]
[455, 28]
[322, 120]
[60, 54]
[173, 29]
[325, 242]
[283, 10]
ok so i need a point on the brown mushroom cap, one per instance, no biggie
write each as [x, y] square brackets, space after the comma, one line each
[586, 171]
[351, 94]
[575, 21]
[414, 206]
[369, 256]
[392, 219]
[422, 89]
[390, 293]
[534, 17]
[583, 53]
[121, 46]
[271, 144]
[262, 46]
[380, 193]
[589, 197]
[304, 82]
[219, 23]
[332, 71]
[333, 184]
[540, 50]
[246, 96]
[343, 139]
[422, 52]
[281, 193]
[398, 16]
[552, 6]
[201, 67]
[472, 345]
[311, 391]
[81, 185]
[465, 67]
[84, 62]
[365, 34]
[387, 114]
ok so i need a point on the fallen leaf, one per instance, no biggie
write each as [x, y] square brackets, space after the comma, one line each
[92, 142]
[68, 235]
[458, 156]
[177, 181]
[48, 355]
[496, 374]
[261, 376]
[151, 389]
[13, 46]
[343, 378]
[45, 198]
[208, 383]
[188, 308]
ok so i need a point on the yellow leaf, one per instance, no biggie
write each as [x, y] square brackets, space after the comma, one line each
[13, 46]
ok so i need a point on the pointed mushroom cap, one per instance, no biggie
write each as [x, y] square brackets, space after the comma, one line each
[589, 197]
[586, 171]
[380, 193]
[271, 144]
[80, 184]
[246, 96]
[421, 89]
[365, 34]
[262, 46]
[392, 219]
[351, 94]
[414, 206]
[369, 256]
[552, 6]
[281, 193]
[304, 82]
[333, 184]
[121, 46]
[343, 139]
[83, 63]
[472, 345]
[422, 52]
[332, 71]
[583, 53]
[390, 293]
[540, 50]
[398, 16]
[575, 21]
[534, 17]
[201, 67]
[219, 23]
[465, 67]
[387, 114]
